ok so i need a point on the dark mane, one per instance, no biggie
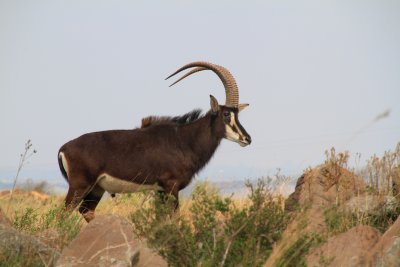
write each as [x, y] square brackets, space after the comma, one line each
[180, 120]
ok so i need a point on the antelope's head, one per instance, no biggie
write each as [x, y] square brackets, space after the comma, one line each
[228, 114]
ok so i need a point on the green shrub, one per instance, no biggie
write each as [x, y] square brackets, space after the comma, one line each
[382, 217]
[338, 221]
[32, 221]
[213, 232]
[26, 221]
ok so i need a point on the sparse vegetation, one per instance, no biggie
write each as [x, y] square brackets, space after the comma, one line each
[214, 231]
[382, 176]
[22, 161]
[338, 221]
[66, 224]
[384, 173]
[381, 218]
[294, 255]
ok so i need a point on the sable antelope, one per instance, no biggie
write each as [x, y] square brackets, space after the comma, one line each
[164, 154]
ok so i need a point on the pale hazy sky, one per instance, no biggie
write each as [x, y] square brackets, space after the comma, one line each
[316, 74]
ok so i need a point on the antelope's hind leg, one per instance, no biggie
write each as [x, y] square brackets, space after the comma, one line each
[79, 188]
[90, 202]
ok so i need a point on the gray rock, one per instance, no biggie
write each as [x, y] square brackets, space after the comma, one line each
[390, 257]
[387, 251]
[16, 244]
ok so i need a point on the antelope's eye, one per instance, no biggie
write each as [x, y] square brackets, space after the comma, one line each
[227, 113]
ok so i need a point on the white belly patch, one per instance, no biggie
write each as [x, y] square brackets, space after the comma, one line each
[115, 185]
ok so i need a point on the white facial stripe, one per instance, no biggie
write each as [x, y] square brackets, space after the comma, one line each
[232, 122]
[234, 125]
[229, 132]
[233, 131]
[64, 162]
[116, 185]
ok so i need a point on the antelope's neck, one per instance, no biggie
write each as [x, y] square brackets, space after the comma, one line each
[203, 136]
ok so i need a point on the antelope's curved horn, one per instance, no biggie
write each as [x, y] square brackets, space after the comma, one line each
[187, 74]
[231, 88]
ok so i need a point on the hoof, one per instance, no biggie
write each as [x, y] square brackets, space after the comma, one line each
[88, 216]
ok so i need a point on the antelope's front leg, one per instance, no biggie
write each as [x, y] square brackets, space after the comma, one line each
[172, 189]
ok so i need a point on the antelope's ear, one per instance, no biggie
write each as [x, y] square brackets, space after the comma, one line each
[214, 104]
[242, 106]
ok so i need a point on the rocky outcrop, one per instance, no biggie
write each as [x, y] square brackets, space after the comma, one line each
[360, 246]
[315, 191]
[318, 190]
[324, 186]
[386, 252]
[389, 257]
[346, 249]
[108, 240]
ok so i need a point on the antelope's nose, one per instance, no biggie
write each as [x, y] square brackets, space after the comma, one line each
[248, 139]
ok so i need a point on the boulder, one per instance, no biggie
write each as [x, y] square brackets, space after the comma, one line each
[149, 258]
[14, 244]
[108, 240]
[346, 249]
[391, 256]
[52, 238]
[324, 186]
[386, 252]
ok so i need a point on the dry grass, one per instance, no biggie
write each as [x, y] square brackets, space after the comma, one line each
[122, 205]
[22, 200]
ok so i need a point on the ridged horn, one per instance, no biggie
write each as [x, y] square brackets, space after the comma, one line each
[188, 74]
[231, 88]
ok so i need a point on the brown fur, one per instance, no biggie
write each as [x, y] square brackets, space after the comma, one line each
[167, 151]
